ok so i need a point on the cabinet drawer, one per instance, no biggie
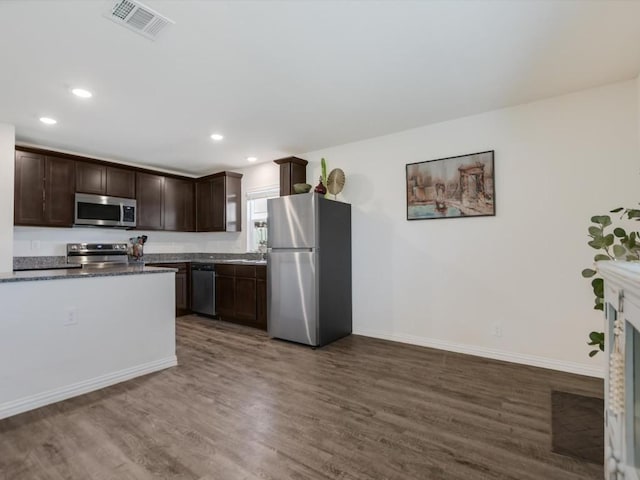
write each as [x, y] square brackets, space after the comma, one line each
[246, 271]
[225, 270]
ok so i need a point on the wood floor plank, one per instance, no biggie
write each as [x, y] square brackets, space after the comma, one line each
[242, 406]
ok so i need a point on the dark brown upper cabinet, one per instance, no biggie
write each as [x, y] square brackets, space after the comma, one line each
[29, 189]
[45, 183]
[179, 206]
[59, 199]
[292, 170]
[44, 189]
[121, 182]
[91, 178]
[219, 203]
[105, 180]
[150, 201]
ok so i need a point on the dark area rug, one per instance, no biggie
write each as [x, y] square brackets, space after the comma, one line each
[577, 426]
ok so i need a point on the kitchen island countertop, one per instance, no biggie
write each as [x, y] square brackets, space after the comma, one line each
[59, 274]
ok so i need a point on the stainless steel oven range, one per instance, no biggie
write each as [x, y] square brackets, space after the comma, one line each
[97, 255]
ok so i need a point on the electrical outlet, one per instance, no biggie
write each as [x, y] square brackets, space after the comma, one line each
[72, 317]
[496, 329]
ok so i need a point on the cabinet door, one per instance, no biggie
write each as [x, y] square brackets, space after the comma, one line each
[178, 205]
[188, 206]
[261, 297]
[29, 189]
[59, 187]
[91, 178]
[121, 182]
[225, 296]
[203, 206]
[219, 207]
[149, 193]
[182, 293]
[246, 299]
[233, 206]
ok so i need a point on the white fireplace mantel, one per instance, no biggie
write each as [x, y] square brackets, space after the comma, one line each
[622, 349]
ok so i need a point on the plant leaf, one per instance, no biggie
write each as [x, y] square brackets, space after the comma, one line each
[593, 353]
[601, 256]
[619, 251]
[619, 232]
[596, 243]
[588, 272]
[609, 239]
[616, 210]
[596, 336]
[595, 231]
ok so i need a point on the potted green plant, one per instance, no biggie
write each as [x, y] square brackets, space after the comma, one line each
[616, 245]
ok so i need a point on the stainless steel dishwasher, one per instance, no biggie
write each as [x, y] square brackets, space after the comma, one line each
[203, 288]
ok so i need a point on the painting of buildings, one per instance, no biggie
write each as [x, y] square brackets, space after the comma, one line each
[451, 187]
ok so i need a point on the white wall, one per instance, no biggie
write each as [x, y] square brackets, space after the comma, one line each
[638, 103]
[447, 283]
[7, 145]
[43, 359]
[36, 241]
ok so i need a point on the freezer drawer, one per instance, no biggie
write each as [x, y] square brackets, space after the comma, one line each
[292, 296]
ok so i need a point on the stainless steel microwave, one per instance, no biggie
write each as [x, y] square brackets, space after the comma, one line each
[103, 211]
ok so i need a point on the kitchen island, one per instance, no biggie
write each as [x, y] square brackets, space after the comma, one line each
[68, 332]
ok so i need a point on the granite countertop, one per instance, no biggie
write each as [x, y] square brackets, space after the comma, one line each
[50, 262]
[234, 262]
[59, 274]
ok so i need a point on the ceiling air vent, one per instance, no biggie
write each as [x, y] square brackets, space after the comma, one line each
[138, 17]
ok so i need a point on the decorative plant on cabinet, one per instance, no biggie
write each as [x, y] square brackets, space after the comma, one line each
[618, 245]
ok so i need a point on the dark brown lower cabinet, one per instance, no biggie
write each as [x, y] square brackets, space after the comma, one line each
[183, 286]
[241, 294]
[225, 291]
[261, 301]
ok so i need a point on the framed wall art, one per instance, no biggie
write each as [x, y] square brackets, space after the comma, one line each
[452, 187]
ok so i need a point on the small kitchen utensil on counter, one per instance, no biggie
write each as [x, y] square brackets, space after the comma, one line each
[136, 250]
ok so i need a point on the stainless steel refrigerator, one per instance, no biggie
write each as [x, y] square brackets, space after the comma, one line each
[309, 269]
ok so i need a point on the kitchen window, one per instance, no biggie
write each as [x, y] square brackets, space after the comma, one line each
[257, 218]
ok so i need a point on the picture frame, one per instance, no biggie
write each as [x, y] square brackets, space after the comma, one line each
[452, 187]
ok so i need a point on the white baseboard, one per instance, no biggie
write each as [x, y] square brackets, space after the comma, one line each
[38, 400]
[532, 360]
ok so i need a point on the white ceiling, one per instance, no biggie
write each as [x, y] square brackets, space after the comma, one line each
[287, 77]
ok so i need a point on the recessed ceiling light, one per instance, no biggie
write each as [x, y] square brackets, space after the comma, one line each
[217, 137]
[48, 121]
[251, 159]
[82, 93]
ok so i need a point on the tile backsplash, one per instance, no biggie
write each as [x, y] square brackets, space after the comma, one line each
[35, 241]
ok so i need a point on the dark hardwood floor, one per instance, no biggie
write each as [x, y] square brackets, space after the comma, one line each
[241, 406]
